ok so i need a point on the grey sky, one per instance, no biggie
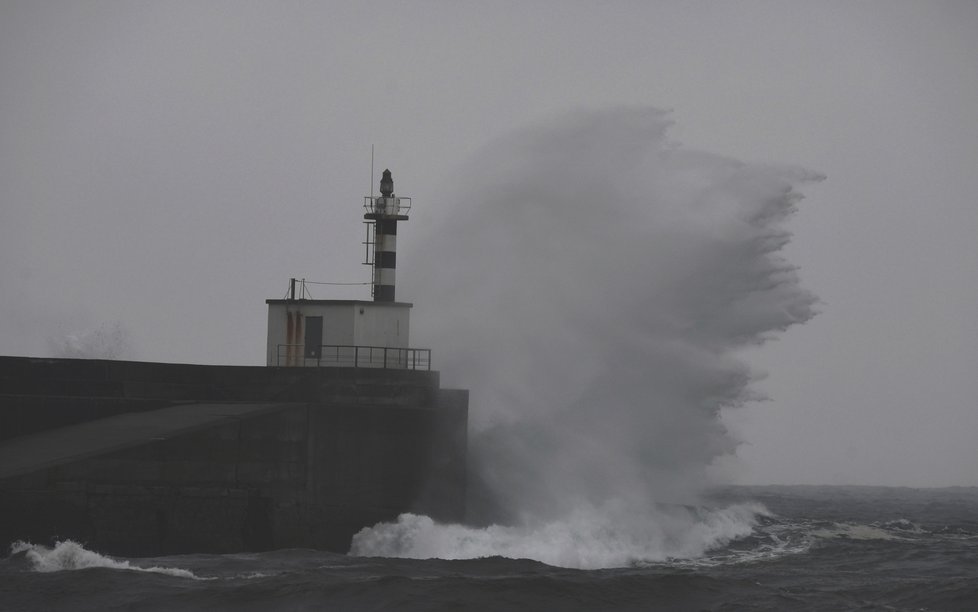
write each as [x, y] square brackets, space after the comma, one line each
[167, 166]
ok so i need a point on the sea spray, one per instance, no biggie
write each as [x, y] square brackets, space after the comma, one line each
[587, 538]
[107, 341]
[592, 283]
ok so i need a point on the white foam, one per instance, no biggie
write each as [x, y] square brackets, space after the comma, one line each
[588, 538]
[903, 525]
[70, 555]
[855, 532]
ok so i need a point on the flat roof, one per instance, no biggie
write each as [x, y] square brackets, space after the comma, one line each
[339, 302]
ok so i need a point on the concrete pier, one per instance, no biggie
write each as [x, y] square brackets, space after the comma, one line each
[145, 459]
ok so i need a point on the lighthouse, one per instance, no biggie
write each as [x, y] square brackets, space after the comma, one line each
[383, 213]
[305, 332]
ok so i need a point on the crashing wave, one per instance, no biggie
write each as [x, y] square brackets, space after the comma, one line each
[589, 538]
[69, 555]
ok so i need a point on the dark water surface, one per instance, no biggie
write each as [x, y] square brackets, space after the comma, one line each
[822, 548]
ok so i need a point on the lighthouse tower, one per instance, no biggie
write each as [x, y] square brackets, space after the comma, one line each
[305, 332]
[383, 213]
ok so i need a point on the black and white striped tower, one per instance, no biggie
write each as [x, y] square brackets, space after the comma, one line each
[384, 212]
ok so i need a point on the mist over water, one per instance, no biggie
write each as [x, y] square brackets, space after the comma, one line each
[591, 284]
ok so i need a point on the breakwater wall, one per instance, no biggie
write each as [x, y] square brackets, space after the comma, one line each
[145, 459]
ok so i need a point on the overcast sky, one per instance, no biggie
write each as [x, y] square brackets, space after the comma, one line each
[167, 166]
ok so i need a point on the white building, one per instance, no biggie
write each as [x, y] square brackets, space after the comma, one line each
[343, 333]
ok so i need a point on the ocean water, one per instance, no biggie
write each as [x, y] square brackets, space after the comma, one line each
[798, 548]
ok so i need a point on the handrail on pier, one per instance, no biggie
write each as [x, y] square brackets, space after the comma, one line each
[353, 356]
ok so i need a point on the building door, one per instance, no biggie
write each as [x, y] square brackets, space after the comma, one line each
[314, 338]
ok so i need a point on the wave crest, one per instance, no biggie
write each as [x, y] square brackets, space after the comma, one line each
[70, 555]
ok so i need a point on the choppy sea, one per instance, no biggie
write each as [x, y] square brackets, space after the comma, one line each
[808, 548]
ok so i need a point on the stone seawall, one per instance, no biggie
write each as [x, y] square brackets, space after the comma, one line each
[144, 459]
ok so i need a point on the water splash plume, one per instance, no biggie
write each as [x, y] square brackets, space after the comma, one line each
[592, 284]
